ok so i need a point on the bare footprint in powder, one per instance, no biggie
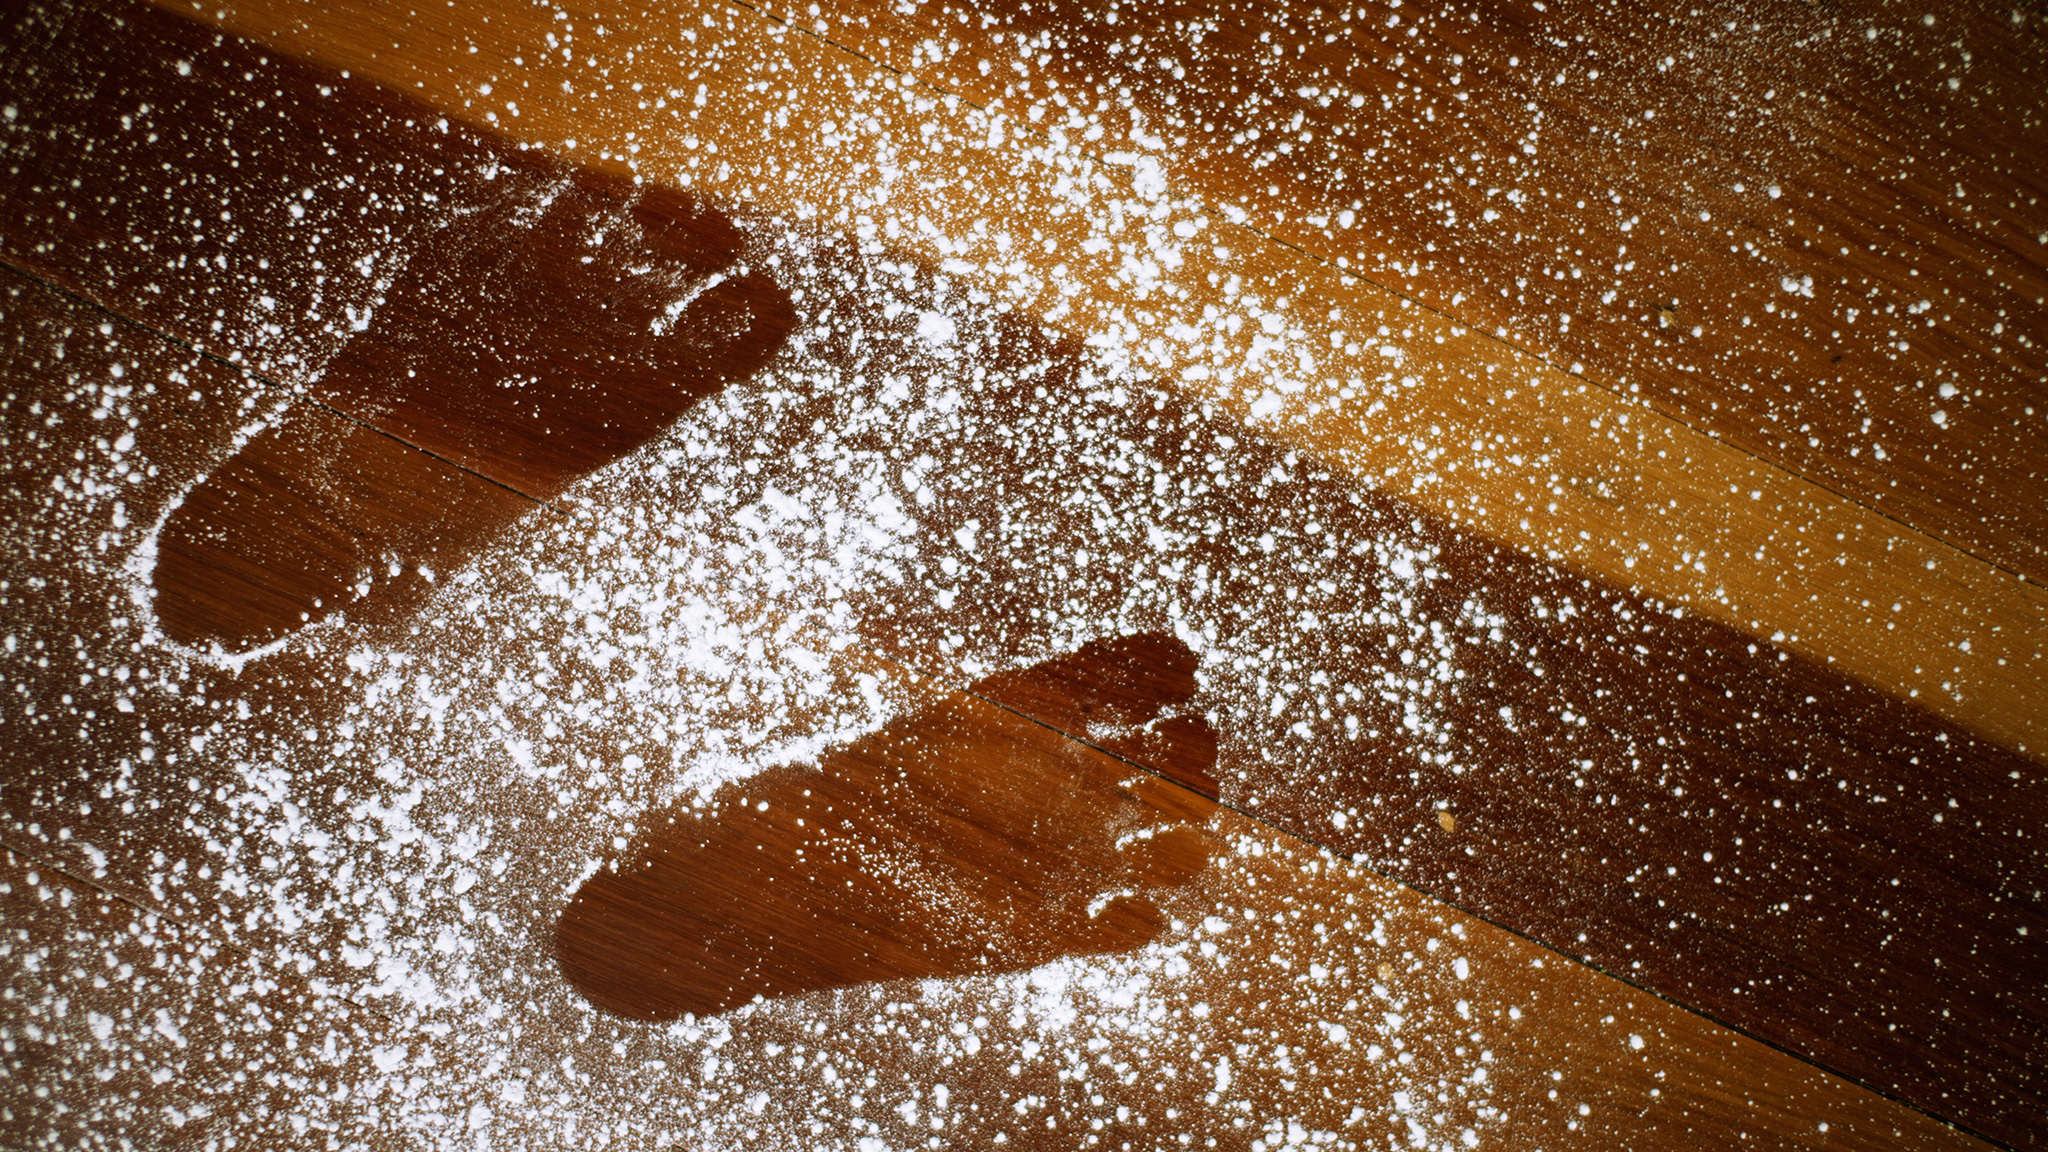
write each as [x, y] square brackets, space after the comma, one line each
[959, 839]
[530, 344]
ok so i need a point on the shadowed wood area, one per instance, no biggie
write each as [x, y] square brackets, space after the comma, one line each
[612, 304]
[182, 1002]
[1708, 816]
[1107, 694]
[374, 520]
[1644, 1071]
[185, 1005]
[611, 309]
[1010, 608]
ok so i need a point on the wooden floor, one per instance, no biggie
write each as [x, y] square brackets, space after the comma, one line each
[887, 576]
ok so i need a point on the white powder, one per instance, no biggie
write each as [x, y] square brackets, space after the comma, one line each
[407, 847]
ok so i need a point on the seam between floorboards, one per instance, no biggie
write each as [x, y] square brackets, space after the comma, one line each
[268, 381]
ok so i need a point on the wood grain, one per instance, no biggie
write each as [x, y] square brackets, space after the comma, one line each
[106, 980]
[1550, 813]
[1107, 694]
[110, 430]
[1714, 818]
[1788, 229]
[1627, 1068]
[104, 428]
[1695, 1093]
[328, 251]
[614, 307]
[1561, 469]
[959, 840]
[611, 308]
[374, 519]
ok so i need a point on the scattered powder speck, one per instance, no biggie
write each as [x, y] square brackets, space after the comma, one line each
[304, 894]
[388, 820]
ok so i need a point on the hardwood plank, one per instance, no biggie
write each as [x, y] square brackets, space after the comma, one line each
[613, 308]
[1800, 1010]
[109, 994]
[825, 876]
[1815, 233]
[111, 433]
[363, 303]
[377, 832]
[311, 516]
[1714, 818]
[1640, 502]
[1704, 1081]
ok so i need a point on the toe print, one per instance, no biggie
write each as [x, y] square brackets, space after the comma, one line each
[1109, 693]
[959, 839]
[532, 342]
[600, 309]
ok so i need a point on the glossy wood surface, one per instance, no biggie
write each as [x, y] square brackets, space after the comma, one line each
[133, 892]
[1558, 468]
[957, 841]
[1554, 687]
[1815, 232]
